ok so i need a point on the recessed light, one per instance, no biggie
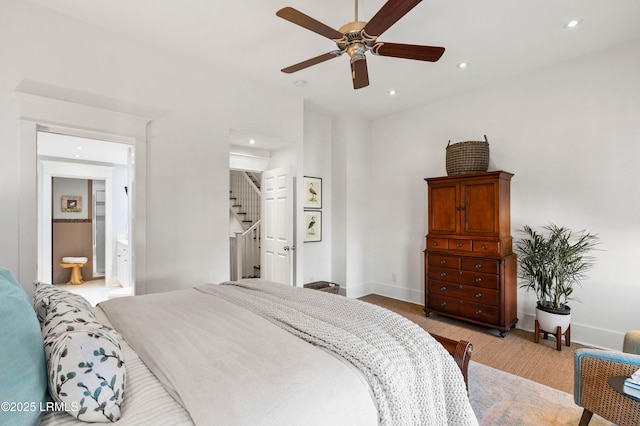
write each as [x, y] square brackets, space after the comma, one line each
[78, 147]
[392, 92]
[252, 141]
[573, 23]
[463, 64]
[300, 83]
[77, 156]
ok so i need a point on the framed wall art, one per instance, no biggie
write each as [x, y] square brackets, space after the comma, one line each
[71, 204]
[312, 192]
[312, 226]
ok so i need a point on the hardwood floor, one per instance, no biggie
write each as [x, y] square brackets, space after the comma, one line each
[516, 353]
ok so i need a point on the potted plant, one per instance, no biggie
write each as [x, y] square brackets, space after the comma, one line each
[551, 263]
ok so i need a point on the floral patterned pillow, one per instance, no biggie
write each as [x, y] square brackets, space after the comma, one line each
[47, 296]
[85, 365]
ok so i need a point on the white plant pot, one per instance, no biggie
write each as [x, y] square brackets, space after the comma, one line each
[549, 322]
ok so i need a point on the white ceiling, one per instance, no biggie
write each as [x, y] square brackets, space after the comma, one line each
[56, 146]
[499, 38]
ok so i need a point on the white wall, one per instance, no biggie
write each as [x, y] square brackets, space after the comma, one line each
[188, 142]
[63, 187]
[317, 163]
[352, 192]
[570, 135]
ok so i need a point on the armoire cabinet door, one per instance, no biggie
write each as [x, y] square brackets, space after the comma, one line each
[479, 207]
[444, 215]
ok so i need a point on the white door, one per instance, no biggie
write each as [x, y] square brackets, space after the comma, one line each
[277, 254]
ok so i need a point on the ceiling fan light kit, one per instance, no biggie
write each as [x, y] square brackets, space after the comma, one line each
[357, 37]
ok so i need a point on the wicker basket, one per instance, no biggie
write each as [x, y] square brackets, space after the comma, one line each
[468, 157]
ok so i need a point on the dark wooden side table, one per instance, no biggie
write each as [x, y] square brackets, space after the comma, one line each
[325, 286]
[617, 383]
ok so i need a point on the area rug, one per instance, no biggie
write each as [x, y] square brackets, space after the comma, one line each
[499, 399]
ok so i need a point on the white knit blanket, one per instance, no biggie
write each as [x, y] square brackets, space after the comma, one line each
[413, 378]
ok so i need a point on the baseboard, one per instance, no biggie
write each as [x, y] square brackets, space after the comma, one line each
[580, 333]
[397, 292]
[356, 291]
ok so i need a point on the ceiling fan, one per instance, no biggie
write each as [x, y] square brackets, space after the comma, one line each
[358, 37]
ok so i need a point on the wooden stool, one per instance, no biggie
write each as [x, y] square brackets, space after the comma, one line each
[76, 275]
[558, 334]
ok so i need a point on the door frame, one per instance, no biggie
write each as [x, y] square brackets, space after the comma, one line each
[35, 113]
[50, 169]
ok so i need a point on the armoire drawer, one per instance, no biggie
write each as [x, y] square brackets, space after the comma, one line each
[488, 247]
[473, 294]
[443, 261]
[437, 243]
[478, 279]
[459, 244]
[445, 274]
[464, 308]
[486, 266]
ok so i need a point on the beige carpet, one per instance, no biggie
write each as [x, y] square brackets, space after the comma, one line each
[501, 399]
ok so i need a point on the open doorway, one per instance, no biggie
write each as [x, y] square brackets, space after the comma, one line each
[84, 214]
[262, 228]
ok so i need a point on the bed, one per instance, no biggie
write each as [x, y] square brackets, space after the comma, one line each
[248, 352]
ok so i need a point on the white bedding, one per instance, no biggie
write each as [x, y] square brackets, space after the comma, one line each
[146, 400]
[228, 366]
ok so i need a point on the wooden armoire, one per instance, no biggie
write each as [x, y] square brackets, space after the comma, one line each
[470, 268]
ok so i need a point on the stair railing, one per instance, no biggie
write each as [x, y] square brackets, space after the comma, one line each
[245, 207]
[247, 197]
[245, 253]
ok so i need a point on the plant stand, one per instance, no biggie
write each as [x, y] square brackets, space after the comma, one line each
[558, 333]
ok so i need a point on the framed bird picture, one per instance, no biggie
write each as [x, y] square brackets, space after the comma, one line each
[312, 226]
[312, 192]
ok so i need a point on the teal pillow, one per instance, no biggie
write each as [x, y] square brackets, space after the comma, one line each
[23, 374]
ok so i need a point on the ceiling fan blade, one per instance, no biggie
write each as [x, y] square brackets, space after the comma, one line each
[313, 61]
[305, 21]
[388, 15]
[359, 73]
[408, 51]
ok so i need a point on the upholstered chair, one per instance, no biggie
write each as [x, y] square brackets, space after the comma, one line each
[593, 369]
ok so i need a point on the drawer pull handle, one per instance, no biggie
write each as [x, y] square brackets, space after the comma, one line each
[478, 266]
[443, 304]
[479, 312]
[435, 243]
[484, 247]
[459, 245]
[443, 288]
[478, 295]
[443, 274]
[443, 262]
[478, 280]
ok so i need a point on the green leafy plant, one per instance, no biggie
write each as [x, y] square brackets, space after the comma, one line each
[551, 262]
